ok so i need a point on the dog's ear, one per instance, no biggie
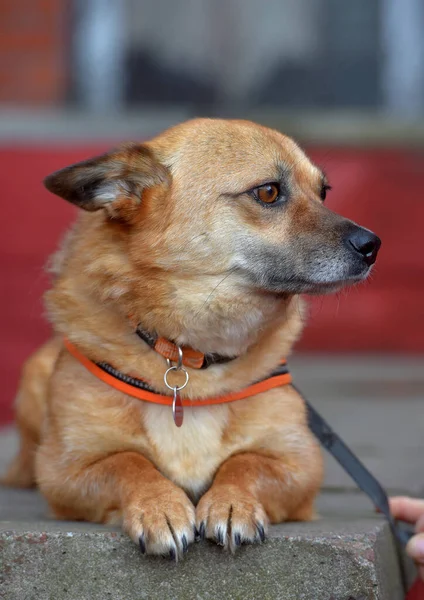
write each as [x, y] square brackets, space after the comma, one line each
[114, 181]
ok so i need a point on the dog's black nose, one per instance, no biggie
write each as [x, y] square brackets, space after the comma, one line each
[366, 243]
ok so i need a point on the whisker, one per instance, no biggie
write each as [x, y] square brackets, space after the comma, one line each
[214, 290]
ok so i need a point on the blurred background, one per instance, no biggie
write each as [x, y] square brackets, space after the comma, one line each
[346, 79]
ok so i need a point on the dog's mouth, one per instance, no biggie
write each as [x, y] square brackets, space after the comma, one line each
[330, 287]
[312, 287]
[310, 264]
[279, 274]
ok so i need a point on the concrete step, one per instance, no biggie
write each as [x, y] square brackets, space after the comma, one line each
[338, 557]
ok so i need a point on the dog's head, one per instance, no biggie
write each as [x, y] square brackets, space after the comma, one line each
[217, 199]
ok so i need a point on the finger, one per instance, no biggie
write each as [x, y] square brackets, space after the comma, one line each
[415, 548]
[406, 509]
[419, 525]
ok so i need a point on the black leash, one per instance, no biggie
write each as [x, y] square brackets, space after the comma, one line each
[355, 468]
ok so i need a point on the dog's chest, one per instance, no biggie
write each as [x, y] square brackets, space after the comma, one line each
[188, 455]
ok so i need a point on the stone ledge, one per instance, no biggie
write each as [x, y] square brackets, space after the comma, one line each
[348, 554]
[333, 558]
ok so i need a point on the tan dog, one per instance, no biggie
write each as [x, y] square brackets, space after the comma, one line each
[205, 236]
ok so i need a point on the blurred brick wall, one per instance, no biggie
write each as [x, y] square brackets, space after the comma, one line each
[33, 51]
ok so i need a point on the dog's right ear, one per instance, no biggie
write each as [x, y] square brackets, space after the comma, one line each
[114, 181]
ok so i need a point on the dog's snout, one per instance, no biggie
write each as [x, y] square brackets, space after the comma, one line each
[365, 243]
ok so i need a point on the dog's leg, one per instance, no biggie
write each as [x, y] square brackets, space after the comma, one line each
[20, 472]
[30, 407]
[249, 491]
[125, 488]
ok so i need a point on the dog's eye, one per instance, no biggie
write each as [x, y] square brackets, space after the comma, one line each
[267, 193]
[325, 188]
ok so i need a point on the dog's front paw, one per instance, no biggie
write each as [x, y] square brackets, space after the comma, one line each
[231, 517]
[162, 523]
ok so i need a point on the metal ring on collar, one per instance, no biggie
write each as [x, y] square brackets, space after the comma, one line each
[179, 365]
[173, 387]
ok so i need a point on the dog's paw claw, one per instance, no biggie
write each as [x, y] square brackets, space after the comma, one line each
[202, 530]
[220, 537]
[173, 554]
[142, 544]
[261, 531]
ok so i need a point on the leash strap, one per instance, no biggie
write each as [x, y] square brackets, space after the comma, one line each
[355, 468]
[362, 477]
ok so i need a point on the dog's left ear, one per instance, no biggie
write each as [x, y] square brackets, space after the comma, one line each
[114, 181]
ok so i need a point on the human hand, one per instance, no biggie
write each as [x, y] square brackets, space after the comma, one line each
[411, 510]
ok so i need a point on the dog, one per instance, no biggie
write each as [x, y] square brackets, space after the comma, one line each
[201, 241]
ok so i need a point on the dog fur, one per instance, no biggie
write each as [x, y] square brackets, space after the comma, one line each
[172, 234]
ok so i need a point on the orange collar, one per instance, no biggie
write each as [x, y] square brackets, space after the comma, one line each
[169, 350]
[140, 389]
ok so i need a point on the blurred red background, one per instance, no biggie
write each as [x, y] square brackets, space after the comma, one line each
[380, 189]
